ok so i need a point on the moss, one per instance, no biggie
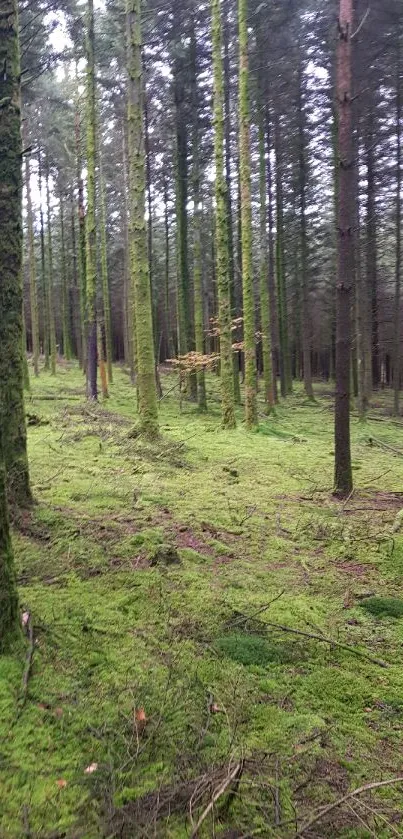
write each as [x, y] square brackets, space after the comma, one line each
[382, 607]
[251, 649]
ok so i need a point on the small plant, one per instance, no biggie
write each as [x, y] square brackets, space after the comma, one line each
[382, 607]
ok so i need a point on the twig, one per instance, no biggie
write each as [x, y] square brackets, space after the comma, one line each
[246, 618]
[330, 641]
[28, 663]
[381, 445]
[360, 25]
[236, 772]
[340, 801]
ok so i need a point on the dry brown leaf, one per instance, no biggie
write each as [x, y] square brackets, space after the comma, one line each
[61, 783]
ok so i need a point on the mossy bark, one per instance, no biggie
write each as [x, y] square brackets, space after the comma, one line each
[104, 275]
[8, 584]
[147, 397]
[221, 228]
[197, 251]
[12, 419]
[130, 315]
[90, 221]
[76, 314]
[33, 292]
[50, 303]
[246, 221]
[264, 266]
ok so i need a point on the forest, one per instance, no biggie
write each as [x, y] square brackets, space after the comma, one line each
[201, 424]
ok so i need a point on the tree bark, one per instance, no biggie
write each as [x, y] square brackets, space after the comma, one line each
[33, 291]
[397, 301]
[90, 222]
[305, 314]
[343, 480]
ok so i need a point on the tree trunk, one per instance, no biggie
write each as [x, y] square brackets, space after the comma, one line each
[246, 222]
[50, 301]
[343, 480]
[90, 223]
[147, 397]
[65, 289]
[76, 312]
[9, 612]
[221, 227]
[305, 325]
[371, 246]
[264, 286]
[272, 282]
[285, 360]
[106, 302]
[82, 268]
[129, 313]
[33, 292]
[397, 302]
[12, 419]
[44, 277]
[197, 254]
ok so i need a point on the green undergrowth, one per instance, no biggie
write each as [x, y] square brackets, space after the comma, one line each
[120, 634]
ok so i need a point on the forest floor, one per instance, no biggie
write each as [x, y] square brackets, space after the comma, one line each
[156, 688]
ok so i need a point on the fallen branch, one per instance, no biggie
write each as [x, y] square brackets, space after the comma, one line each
[235, 774]
[374, 442]
[326, 640]
[28, 662]
[246, 618]
[347, 797]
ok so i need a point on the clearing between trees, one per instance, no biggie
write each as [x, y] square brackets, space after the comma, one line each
[183, 596]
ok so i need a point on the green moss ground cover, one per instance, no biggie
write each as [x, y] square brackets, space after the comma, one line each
[252, 517]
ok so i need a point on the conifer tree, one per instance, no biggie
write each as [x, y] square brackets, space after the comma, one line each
[90, 221]
[33, 291]
[221, 227]
[246, 221]
[12, 419]
[147, 397]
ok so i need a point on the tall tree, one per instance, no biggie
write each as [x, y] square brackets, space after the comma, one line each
[147, 397]
[221, 226]
[246, 221]
[33, 291]
[90, 221]
[12, 419]
[343, 479]
[398, 267]
[264, 267]
[305, 314]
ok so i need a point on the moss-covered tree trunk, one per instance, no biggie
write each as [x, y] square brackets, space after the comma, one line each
[90, 221]
[76, 308]
[66, 338]
[49, 276]
[197, 252]
[8, 585]
[221, 228]
[104, 274]
[12, 419]
[33, 291]
[264, 272]
[130, 315]
[147, 397]
[246, 221]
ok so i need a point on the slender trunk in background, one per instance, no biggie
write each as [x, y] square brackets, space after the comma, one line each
[305, 313]
[272, 282]
[75, 309]
[44, 277]
[397, 302]
[90, 222]
[221, 226]
[147, 396]
[82, 268]
[65, 287]
[33, 291]
[234, 279]
[128, 303]
[101, 361]
[50, 301]
[371, 246]
[197, 254]
[285, 360]
[25, 371]
[246, 222]
[106, 301]
[264, 273]
[167, 319]
[12, 419]
[343, 479]
[150, 248]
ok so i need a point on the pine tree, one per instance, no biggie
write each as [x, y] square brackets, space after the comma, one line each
[147, 397]
[90, 221]
[343, 479]
[33, 292]
[49, 277]
[221, 227]
[264, 286]
[246, 221]
[12, 419]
